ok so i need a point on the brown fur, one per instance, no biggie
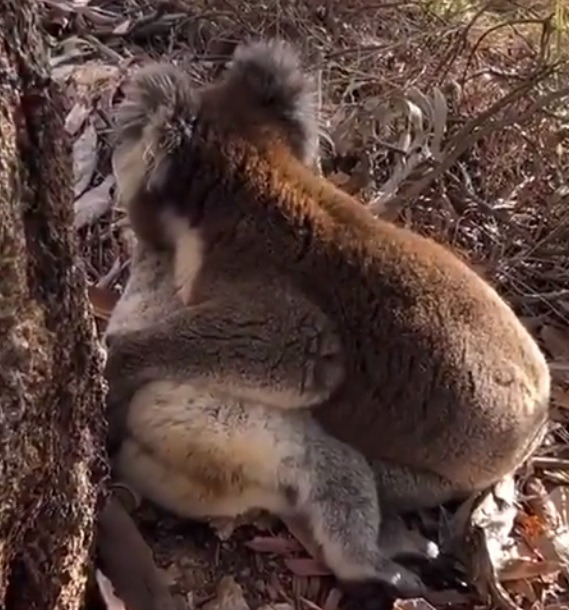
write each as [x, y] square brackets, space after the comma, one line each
[435, 356]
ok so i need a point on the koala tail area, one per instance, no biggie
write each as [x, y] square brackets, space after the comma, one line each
[265, 79]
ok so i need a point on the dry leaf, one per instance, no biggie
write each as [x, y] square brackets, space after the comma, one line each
[542, 545]
[524, 568]
[553, 510]
[342, 130]
[93, 203]
[450, 598]
[72, 49]
[229, 596]
[420, 141]
[487, 544]
[412, 604]
[333, 599]
[61, 73]
[273, 544]
[301, 587]
[112, 275]
[103, 301]
[93, 73]
[112, 602]
[76, 117]
[560, 397]
[302, 566]
[523, 588]
[496, 515]
[122, 28]
[275, 588]
[84, 159]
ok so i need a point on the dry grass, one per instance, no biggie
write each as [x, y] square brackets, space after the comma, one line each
[450, 117]
[496, 187]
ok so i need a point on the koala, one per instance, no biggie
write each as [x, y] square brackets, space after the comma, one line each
[350, 345]
[200, 452]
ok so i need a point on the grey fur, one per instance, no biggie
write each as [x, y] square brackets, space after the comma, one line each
[307, 474]
[158, 111]
[272, 73]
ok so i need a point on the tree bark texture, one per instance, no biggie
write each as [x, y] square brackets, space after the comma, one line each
[51, 394]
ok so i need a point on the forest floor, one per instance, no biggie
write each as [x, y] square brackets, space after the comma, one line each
[447, 117]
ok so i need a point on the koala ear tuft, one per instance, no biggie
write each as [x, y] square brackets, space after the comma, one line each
[152, 126]
[270, 75]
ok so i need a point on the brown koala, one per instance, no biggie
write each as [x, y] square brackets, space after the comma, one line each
[412, 360]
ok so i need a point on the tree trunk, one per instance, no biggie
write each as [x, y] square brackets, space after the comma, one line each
[51, 395]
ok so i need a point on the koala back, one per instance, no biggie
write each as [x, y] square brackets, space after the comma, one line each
[434, 355]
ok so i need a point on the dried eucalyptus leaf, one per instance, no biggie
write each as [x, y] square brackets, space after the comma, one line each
[93, 203]
[84, 159]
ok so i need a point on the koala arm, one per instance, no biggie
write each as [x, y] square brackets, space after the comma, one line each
[245, 344]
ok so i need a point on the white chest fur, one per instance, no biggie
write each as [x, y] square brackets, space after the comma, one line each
[188, 258]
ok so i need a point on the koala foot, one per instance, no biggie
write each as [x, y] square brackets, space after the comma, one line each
[398, 541]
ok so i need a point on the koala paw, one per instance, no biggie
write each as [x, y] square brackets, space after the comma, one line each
[324, 368]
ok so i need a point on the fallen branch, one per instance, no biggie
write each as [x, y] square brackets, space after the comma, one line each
[127, 561]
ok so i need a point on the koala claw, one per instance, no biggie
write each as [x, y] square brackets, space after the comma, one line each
[431, 550]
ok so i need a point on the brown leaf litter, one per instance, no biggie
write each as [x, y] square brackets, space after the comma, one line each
[449, 121]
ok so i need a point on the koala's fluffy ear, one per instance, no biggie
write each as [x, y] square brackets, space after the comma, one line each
[153, 124]
[270, 78]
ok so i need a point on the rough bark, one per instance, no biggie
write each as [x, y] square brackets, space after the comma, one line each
[51, 395]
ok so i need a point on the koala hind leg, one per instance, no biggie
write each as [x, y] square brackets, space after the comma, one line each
[337, 497]
[199, 456]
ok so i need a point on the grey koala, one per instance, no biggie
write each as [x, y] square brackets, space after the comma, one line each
[200, 452]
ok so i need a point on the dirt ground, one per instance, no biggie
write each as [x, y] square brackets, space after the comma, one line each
[195, 559]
